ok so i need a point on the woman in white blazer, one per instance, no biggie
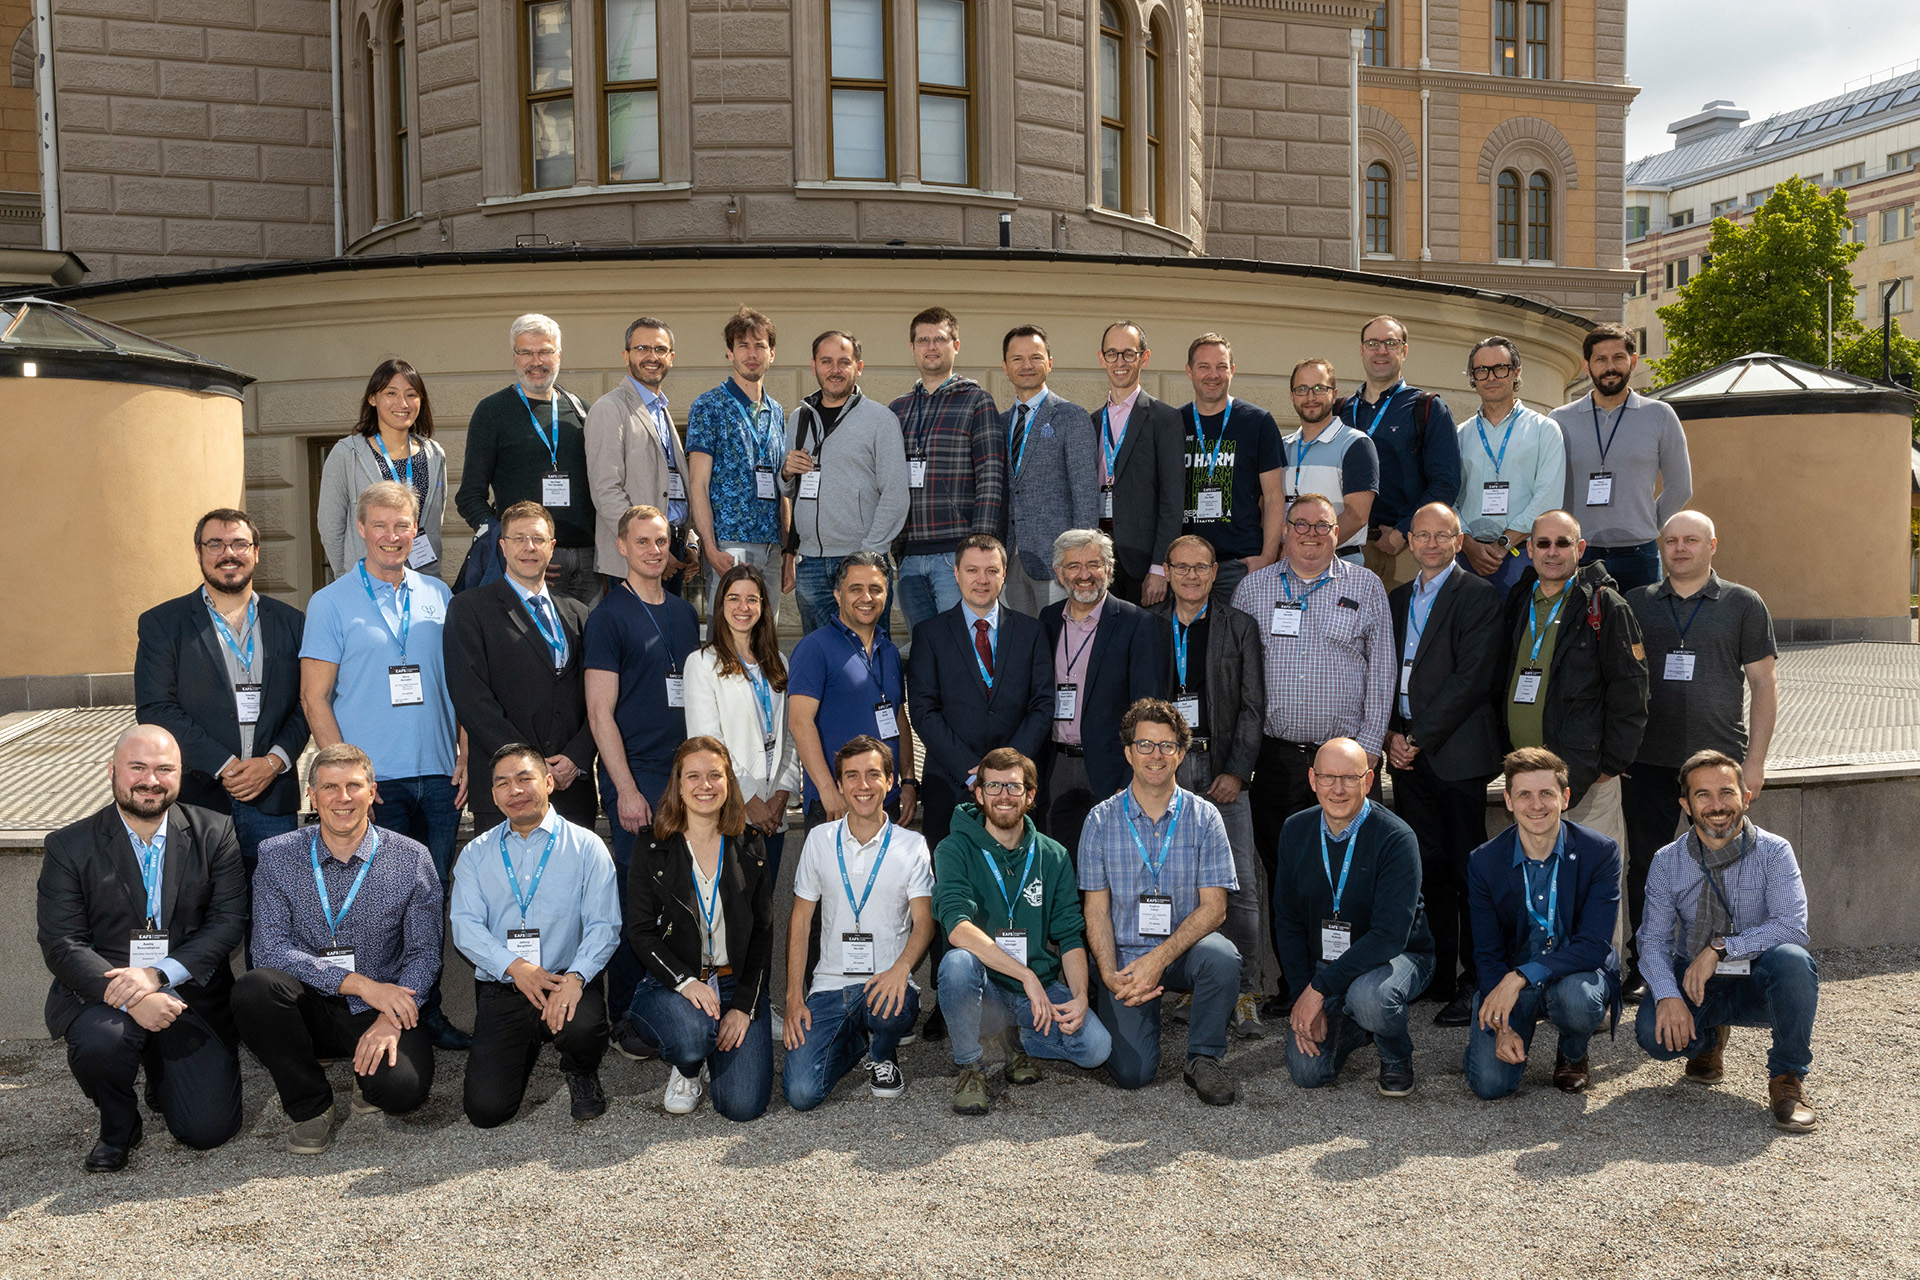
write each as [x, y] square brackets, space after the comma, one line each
[737, 692]
[393, 440]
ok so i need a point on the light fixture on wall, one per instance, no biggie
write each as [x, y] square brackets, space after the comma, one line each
[1006, 231]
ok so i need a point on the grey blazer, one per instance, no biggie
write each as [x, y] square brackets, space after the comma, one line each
[1236, 685]
[351, 466]
[1057, 486]
[626, 467]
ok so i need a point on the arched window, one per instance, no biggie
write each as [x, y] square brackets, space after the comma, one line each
[1379, 209]
[858, 44]
[946, 101]
[1113, 108]
[1540, 218]
[1156, 177]
[547, 45]
[1507, 216]
[402, 194]
[630, 43]
[1374, 54]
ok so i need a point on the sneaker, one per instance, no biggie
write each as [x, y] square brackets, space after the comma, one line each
[1710, 1066]
[1246, 1018]
[589, 1099]
[1178, 1005]
[1020, 1068]
[683, 1093]
[311, 1137]
[1787, 1099]
[970, 1092]
[361, 1107]
[886, 1080]
[1396, 1079]
[1208, 1081]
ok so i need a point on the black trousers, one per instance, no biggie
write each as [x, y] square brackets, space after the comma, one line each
[290, 1027]
[1070, 798]
[507, 1034]
[196, 1072]
[1279, 790]
[937, 800]
[1650, 801]
[1450, 821]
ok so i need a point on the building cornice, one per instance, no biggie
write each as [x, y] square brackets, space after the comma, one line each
[1342, 13]
[1412, 78]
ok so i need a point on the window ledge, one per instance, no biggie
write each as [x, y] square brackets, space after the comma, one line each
[381, 232]
[1100, 213]
[1378, 257]
[608, 193]
[913, 190]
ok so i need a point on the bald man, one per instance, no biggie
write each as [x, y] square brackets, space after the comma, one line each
[1708, 641]
[1349, 927]
[140, 907]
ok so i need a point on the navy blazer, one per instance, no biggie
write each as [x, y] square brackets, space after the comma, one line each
[1496, 890]
[955, 715]
[1124, 664]
[180, 683]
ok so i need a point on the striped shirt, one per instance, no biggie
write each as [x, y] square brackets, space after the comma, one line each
[1336, 678]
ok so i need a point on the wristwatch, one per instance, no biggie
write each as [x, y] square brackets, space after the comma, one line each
[1720, 947]
[910, 782]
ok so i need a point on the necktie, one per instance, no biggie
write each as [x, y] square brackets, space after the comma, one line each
[1019, 440]
[983, 644]
[539, 604]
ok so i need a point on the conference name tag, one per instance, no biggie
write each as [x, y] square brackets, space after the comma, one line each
[1680, 665]
[1013, 942]
[1106, 503]
[146, 949]
[246, 702]
[1189, 709]
[676, 486]
[763, 487]
[1287, 619]
[676, 689]
[1527, 688]
[525, 945]
[810, 485]
[1731, 968]
[1209, 505]
[916, 473]
[340, 958]
[856, 954]
[422, 554]
[1336, 937]
[1406, 673]
[1156, 915]
[405, 687]
[1493, 498]
[1066, 697]
[885, 720]
[1600, 489]
[556, 489]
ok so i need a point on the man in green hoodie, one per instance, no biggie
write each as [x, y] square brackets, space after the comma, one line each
[1004, 895]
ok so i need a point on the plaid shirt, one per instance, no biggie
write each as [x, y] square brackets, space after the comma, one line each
[1336, 678]
[957, 430]
[1199, 858]
[1764, 890]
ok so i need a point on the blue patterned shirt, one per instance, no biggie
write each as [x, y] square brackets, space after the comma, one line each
[1199, 857]
[724, 425]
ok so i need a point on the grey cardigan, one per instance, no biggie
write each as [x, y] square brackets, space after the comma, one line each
[351, 466]
[863, 479]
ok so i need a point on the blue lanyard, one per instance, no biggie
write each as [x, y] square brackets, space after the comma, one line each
[1213, 455]
[752, 438]
[1540, 637]
[1033, 412]
[1430, 592]
[152, 859]
[319, 882]
[253, 604]
[1302, 449]
[1480, 425]
[1180, 644]
[763, 697]
[1110, 447]
[1286, 584]
[1353, 843]
[556, 640]
[1553, 888]
[403, 599]
[1690, 617]
[916, 414]
[673, 664]
[847, 884]
[708, 909]
[1595, 406]
[873, 673]
[1386, 402]
[1001, 880]
[553, 445]
[1165, 850]
[513, 881]
[993, 647]
[393, 472]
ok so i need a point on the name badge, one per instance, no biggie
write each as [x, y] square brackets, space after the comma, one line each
[885, 720]
[246, 702]
[556, 489]
[1189, 708]
[1336, 936]
[525, 945]
[422, 554]
[405, 686]
[1406, 673]
[1527, 688]
[1208, 506]
[763, 483]
[1731, 968]
[1066, 697]
[1013, 942]
[713, 985]
[1600, 489]
[1493, 498]
[676, 485]
[856, 954]
[1680, 665]
[676, 689]
[1156, 915]
[810, 485]
[1106, 502]
[1287, 619]
[916, 473]
[340, 958]
[145, 949]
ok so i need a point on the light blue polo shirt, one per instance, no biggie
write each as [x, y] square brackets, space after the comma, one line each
[358, 633]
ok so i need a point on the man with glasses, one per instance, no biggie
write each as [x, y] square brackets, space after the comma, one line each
[527, 443]
[956, 467]
[219, 669]
[736, 438]
[1052, 470]
[1513, 467]
[1414, 434]
[1156, 868]
[1142, 472]
[1235, 487]
[1327, 456]
[634, 455]
[1620, 448]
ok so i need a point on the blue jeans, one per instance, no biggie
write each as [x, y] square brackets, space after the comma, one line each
[1376, 1005]
[927, 587]
[1211, 971]
[1631, 566]
[1782, 992]
[253, 826]
[741, 1077]
[1577, 1007]
[422, 809]
[974, 1006]
[843, 1028]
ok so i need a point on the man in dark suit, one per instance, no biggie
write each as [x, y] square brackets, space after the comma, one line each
[1106, 657]
[1443, 743]
[219, 669]
[1053, 481]
[1143, 474]
[513, 671]
[140, 907]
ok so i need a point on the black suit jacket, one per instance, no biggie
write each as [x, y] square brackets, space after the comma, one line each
[1149, 484]
[1124, 664]
[955, 715]
[180, 683]
[91, 899]
[500, 676]
[1236, 686]
[663, 913]
[1451, 686]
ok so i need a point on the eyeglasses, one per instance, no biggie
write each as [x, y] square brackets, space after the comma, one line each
[1341, 780]
[1112, 356]
[1481, 372]
[1004, 788]
[1320, 527]
[1547, 544]
[1316, 389]
[545, 352]
[1424, 538]
[1382, 344]
[531, 541]
[648, 351]
[933, 340]
[1147, 746]
[219, 546]
[1188, 570]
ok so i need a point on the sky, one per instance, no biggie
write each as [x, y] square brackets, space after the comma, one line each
[1685, 53]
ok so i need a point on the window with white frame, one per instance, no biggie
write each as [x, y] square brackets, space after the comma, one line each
[1896, 224]
[946, 99]
[1112, 64]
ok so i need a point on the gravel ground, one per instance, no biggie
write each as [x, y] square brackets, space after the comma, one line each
[1645, 1176]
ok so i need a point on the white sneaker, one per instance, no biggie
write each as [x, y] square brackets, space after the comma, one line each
[683, 1093]
[886, 1080]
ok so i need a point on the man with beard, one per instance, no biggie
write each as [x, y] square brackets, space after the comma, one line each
[854, 501]
[1329, 456]
[734, 437]
[635, 458]
[140, 907]
[219, 669]
[1142, 468]
[1620, 448]
[1724, 942]
[1052, 483]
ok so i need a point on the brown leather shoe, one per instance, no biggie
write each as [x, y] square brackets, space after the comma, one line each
[1570, 1077]
[1709, 1067]
[1787, 1097]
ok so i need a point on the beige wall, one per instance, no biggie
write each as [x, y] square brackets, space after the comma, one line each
[112, 506]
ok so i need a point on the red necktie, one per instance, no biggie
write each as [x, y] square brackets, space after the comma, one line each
[983, 645]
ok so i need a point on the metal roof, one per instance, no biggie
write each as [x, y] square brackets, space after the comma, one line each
[42, 338]
[1763, 384]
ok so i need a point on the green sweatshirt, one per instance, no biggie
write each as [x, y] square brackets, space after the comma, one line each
[1047, 905]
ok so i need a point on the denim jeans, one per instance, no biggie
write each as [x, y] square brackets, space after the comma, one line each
[927, 587]
[253, 826]
[975, 1006]
[1782, 992]
[1576, 1005]
[1210, 969]
[1242, 928]
[843, 1028]
[741, 1077]
[422, 809]
[1636, 565]
[1375, 1004]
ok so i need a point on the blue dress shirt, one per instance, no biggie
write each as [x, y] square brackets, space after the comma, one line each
[577, 909]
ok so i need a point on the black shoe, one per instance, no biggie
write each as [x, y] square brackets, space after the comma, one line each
[1457, 1013]
[589, 1099]
[629, 1045]
[1275, 1007]
[153, 1093]
[1632, 985]
[1396, 1079]
[935, 1027]
[1209, 1081]
[445, 1034]
[107, 1158]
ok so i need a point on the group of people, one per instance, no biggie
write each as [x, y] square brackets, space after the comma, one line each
[1160, 663]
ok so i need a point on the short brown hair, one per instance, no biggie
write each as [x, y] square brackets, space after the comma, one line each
[387, 495]
[935, 315]
[1332, 377]
[1209, 340]
[640, 511]
[1024, 331]
[1001, 758]
[1534, 760]
[671, 818]
[981, 542]
[1607, 333]
[1156, 711]
[338, 755]
[227, 515]
[1708, 759]
[1394, 321]
[528, 510]
[744, 323]
[844, 336]
[860, 745]
[1299, 498]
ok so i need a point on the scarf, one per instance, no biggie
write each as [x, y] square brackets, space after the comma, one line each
[1711, 919]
